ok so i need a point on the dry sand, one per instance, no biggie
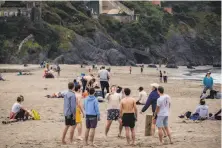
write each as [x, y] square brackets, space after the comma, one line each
[47, 132]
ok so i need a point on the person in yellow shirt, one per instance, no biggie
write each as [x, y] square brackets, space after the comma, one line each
[79, 111]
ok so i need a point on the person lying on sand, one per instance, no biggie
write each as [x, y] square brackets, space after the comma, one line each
[18, 112]
[60, 94]
[24, 73]
[128, 114]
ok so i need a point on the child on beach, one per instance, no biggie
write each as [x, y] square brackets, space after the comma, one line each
[91, 106]
[18, 112]
[79, 111]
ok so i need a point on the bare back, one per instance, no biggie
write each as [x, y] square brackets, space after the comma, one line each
[128, 105]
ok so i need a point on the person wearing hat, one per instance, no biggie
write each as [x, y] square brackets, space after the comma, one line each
[152, 100]
[142, 97]
[208, 82]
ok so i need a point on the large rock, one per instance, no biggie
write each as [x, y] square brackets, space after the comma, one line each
[171, 66]
[115, 57]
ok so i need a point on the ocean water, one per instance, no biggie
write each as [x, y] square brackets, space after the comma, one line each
[199, 73]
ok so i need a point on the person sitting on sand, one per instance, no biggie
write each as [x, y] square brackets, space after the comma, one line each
[142, 97]
[79, 111]
[69, 112]
[113, 112]
[18, 112]
[128, 114]
[1, 78]
[91, 106]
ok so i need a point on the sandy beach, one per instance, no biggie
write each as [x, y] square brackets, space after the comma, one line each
[47, 132]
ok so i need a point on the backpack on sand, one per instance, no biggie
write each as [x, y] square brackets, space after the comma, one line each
[35, 114]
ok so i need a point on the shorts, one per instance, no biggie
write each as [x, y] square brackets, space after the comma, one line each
[128, 120]
[162, 121]
[113, 114]
[91, 121]
[70, 121]
[20, 114]
[78, 115]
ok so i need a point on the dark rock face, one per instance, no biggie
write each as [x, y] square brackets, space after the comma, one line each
[152, 66]
[171, 66]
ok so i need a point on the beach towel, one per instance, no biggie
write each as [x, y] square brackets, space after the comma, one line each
[35, 114]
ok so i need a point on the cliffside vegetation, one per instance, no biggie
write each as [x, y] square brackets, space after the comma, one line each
[198, 23]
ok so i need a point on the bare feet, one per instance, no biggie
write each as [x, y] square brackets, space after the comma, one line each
[79, 138]
[63, 142]
[86, 144]
[171, 142]
[119, 136]
[133, 144]
[160, 144]
[93, 145]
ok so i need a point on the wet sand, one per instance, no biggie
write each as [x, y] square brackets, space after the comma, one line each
[47, 132]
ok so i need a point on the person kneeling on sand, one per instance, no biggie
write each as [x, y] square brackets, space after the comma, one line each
[162, 113]
[79, 111]
[18, 112]
[113, 112]
[128, 113]
[91, 106]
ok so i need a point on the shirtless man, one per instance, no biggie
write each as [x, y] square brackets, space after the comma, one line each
[128, 113]
[113, 112]
[79, 111]
[87, 81]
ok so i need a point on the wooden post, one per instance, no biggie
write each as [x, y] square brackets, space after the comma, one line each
[148, 125]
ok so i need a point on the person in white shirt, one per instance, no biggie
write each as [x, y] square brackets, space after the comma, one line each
[104, 76]
[142, 97]
[18, 112]
[113, 109]
[202, 110]
[161, 114]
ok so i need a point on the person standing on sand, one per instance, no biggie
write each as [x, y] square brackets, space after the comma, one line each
[69, 112]
[164, 77]
[91, 106]
[130, 69]
[141, 69]
[104, 76]
[128, 113]
[161, 77]
[208, 82]
[87, 81]
[161, 114]
[58, 69]
[79, 111]
[152, 100]
[113, 111]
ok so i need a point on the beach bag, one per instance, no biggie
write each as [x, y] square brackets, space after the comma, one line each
[35, 114]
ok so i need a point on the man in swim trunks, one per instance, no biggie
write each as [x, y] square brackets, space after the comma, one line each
[128, 113]
[79, 111]
[162, 113]
[113, 112]
[91, 106]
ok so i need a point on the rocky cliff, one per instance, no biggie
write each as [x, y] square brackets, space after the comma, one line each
[68, 34]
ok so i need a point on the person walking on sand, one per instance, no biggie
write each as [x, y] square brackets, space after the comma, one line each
[128, 113]
[104, 77]
[161, 114]
[208, 82]
[58, 69]
[164, 77]
[161, 77]
[113, 110]
[91, 106]
[79, 111]
[141, 69]
[130, 69]
[69, 112]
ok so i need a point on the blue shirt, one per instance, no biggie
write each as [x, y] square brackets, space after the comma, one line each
[152, 99]
[69, 103]
[91, 106]
[208, 82]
